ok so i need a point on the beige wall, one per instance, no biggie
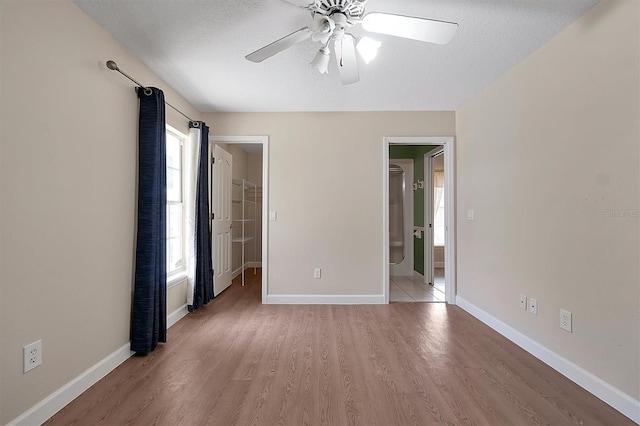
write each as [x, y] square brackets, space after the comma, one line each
[68, 188]
[326, 184]
[254, 172]
[565, 123]
[543, 154]
[240, 161]
[438, 256]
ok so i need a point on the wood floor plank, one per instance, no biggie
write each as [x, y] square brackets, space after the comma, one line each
[238, 362]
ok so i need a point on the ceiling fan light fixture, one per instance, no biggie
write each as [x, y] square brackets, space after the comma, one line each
[321, 61]
[368, 48]
[322, 28]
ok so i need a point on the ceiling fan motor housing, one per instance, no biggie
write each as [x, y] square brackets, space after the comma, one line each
[350, 8]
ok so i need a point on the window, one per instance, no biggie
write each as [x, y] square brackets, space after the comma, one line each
[175, 223]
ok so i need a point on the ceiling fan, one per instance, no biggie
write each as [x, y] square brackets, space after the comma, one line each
[332, 19]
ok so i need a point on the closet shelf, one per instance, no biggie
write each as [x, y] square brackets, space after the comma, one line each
[242, 240]
[244, 183]
[247, 212]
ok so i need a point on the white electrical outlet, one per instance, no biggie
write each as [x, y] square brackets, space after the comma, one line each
[566, 320]
[32, 355]
[533, 306]
[317, 273]
[523, 302]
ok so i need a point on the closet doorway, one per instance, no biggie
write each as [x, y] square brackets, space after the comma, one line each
[432, 232]
[250, 204]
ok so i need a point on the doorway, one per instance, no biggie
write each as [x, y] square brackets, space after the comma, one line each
[422, 231]
[255, 189]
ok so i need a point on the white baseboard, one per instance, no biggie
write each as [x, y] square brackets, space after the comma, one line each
[235, 273]
[304, 299]
[55, 402]
[177, 315]
[619, 400]
[46, 408]
[248, 265]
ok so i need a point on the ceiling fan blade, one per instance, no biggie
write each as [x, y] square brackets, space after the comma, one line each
[347, 61]
[428, 30]
[300, 3]
[279, 45]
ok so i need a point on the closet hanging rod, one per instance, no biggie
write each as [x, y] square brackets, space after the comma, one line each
[114, 67]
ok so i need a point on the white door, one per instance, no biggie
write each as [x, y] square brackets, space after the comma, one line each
[221, 220]
[429, 196]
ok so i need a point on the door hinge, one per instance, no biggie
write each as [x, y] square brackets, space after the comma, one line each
[213, 160]
[213, 216]
[429, 225]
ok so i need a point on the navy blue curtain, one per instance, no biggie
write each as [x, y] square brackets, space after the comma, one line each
[149, 310]
[203, 286]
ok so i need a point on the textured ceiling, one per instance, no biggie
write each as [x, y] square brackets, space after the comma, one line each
[198, 47]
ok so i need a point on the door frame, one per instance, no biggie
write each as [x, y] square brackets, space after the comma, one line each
[264, 141]
[449, 192]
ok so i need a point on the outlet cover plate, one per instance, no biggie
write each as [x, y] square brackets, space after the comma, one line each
[32, 355]
[317, 273]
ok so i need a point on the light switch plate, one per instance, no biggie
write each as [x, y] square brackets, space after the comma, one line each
[273, 215]
[523, 302]
[566, 320]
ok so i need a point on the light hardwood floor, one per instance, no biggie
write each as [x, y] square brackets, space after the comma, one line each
[236, 361]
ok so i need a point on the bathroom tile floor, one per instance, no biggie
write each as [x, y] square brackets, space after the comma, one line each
[413, 289]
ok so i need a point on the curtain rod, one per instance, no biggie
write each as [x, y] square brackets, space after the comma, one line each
[114, 67]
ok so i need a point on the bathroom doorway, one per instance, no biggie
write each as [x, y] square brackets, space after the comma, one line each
[430, 279]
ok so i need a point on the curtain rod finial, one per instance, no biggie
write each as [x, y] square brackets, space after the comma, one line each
[112, 65]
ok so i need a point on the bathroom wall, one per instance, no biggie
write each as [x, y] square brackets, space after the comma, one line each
[415, 153]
